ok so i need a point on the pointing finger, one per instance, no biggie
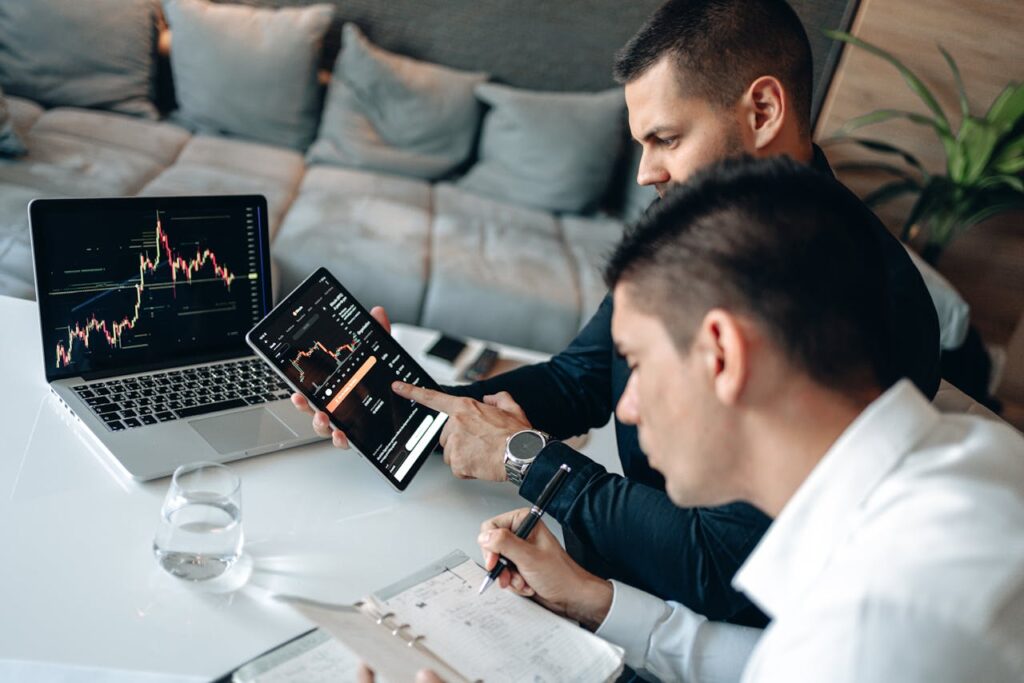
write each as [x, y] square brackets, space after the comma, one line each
[427, 397]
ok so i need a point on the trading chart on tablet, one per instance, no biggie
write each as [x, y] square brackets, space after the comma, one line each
[330, 347]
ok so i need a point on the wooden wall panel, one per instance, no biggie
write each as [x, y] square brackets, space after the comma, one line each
[986, 37]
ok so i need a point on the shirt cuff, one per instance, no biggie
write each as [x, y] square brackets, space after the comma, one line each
[544, 467]
[631, 621]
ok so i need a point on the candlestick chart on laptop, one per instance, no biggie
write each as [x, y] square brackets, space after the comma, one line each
[146, 286]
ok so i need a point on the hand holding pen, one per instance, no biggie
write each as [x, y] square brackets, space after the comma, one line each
[524, 529]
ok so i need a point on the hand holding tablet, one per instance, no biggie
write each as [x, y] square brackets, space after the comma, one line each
[334, 353]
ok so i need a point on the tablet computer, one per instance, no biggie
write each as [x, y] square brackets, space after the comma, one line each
[326, 345]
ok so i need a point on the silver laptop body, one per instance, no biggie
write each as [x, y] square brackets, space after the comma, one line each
[144, 304]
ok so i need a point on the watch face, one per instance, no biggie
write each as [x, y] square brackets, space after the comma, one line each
[525, 445]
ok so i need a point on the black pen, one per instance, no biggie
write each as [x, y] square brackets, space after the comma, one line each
[536, 512]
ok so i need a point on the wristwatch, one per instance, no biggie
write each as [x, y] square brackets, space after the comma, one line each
[521, 449]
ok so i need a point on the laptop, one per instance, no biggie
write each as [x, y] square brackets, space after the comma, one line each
[144, 303]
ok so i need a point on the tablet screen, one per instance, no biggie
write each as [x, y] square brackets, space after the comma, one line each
[333, 352]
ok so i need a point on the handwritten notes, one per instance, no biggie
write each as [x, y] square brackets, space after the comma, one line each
[499, 636]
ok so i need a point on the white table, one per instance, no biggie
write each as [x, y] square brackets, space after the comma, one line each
[81, 598]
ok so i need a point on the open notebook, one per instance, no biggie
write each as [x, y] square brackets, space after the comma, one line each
[435, 619]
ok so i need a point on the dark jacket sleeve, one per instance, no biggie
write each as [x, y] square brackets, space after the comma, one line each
[616, 527]
[636, 534]
[913, 323]
[569, 394]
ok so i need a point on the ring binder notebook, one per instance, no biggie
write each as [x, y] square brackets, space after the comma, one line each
[434, 619]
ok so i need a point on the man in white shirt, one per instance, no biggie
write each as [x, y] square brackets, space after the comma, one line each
[760, 373]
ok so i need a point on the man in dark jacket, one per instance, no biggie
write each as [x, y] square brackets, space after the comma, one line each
[704, 80]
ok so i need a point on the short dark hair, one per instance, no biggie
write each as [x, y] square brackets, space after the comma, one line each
[721, 46]
[779, 242]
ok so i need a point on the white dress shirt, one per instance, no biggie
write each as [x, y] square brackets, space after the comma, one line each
[900, 558]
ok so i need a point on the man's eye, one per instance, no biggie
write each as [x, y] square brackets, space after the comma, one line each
[667, 142]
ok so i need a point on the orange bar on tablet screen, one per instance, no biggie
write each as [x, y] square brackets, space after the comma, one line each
[351, 383]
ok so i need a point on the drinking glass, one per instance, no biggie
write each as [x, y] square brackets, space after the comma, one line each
[200, 532]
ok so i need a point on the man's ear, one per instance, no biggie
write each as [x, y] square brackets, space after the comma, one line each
[724, 354]
[765, 110]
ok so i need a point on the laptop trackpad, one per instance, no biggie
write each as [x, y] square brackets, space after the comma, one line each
[243, 431]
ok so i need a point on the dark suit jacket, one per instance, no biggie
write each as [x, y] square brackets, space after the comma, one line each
[626, 528]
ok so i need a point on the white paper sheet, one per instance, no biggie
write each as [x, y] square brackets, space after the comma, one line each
[499, 636]
[389, 655]
[315, 658]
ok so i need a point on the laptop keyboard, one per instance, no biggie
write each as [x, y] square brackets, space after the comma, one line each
[173, 395]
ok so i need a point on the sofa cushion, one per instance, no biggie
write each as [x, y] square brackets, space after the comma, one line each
[248, 71]
[88, 153]
[160, 141]
[393, 114]
[553, 151]
[24, 113]
[16, 277]
[590, 241]
[10, 144]
[98, 54]
[499, 271]
[371, 231]
[210, 165]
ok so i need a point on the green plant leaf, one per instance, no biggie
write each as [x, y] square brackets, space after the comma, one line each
[922, 205]
[883, 147]
[975, 144]
[965, 107]
[915, 83]
[881, 115]
[1008, 108]
[1010, 166]
[891, 191]
[856, 166]
[1009, 155]
[991, 210]
[984, 158]
[994, 181]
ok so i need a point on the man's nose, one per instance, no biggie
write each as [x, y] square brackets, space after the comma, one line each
[626, 410]
[651, 172]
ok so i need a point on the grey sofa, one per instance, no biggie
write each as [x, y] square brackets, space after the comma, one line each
[432, 253]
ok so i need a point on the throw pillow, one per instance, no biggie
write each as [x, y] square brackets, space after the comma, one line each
[553, 151]
[10, 144]
[248, 71]
[394, 114]
[98, 54]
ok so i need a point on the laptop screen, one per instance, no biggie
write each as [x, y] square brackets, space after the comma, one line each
[135, 284]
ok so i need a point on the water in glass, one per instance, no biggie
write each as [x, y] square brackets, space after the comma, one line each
[200, 532]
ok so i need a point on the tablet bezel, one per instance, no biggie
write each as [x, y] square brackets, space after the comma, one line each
[284, 307]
